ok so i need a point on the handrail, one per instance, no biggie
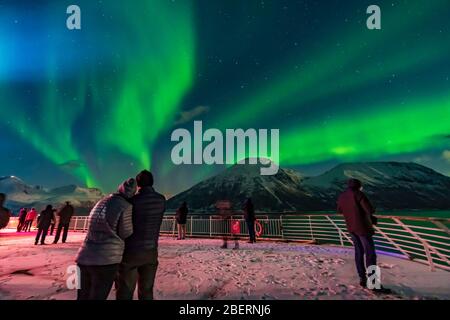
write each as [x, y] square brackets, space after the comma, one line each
[422, 239]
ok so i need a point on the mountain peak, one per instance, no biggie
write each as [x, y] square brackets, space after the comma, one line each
[391, 185]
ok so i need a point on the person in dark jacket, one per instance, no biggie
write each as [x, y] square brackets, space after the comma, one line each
[45, 219]
[140, 259]
[22, 215]
[181, 217]
[249, 215]
[358, 213]
[5, 214]
[110, 223]
[65, 215]
[52, 225]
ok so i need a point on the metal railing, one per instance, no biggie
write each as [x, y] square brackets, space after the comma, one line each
[425, 240]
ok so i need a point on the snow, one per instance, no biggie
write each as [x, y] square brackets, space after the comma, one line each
[199, 269]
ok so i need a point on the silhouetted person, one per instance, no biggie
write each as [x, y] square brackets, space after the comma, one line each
[140, 259]
[65, 214]
[249, 216]
[5, 214]
[52, 225]
[102, 251]
[358, 213]
[31, 215]
[45, 219]
[22, 217]
[181, 217]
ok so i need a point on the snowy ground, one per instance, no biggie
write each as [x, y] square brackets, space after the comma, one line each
[199, 269]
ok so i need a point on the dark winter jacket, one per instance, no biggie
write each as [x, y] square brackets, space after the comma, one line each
[46, 218]
[148, 211]
[109, 225]
[65, 214]
[181, 215]
[249, 211]
[22, 215]
[5, 214]
[357, 211]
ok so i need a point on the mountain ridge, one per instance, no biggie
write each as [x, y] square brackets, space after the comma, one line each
[390, 185]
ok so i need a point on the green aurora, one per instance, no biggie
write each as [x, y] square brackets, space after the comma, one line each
[99, 104]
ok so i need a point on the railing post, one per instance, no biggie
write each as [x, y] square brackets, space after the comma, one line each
[281, 228]
[340, 232]
[397, 246]
[210, 226]
[174, 226]
[422, 241]
[191, 225]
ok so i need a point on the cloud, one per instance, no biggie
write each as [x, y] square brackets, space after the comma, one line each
[446, 155]
[72, 165]
[186, 116]
[422, 159]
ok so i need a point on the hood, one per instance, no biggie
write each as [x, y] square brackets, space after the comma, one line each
[128, 188]
[354, 184]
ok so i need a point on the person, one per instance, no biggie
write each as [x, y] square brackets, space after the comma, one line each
[181, 217]
[65, 214]
[45, 219]
[5, 214]
[52, 225]
[249, 215]
[22, 216]
[140, 259]
[359, 218]
[31, 215]
[99, 257]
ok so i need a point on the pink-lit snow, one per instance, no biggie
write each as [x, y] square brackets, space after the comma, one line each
[199, 269]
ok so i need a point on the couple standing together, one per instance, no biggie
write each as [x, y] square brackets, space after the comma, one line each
[121, 244]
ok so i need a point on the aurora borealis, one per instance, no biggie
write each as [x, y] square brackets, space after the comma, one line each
[96, 105]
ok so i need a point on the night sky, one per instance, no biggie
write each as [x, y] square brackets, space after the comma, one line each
[94, 106]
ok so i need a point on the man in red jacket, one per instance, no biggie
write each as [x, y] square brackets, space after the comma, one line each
[358, 213]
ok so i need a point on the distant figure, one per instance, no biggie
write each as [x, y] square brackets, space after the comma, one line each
[230, 227]
[31, 215]
[22, 216]
[358, 213]
[140, 259]
[5, 214]
[52, 225]
[45, 219]
[181, 217]
[102, 251]
[65, 214]
[249, 215]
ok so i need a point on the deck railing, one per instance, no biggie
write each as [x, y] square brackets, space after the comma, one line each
[425, 240]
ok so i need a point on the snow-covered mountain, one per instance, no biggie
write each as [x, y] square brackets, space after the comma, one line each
[19, 194]
[390, 185]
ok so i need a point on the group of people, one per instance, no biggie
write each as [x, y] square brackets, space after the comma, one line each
[121, 245]
[47, 220]
[26, 219]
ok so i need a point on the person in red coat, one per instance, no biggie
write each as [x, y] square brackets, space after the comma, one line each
[360, 220]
